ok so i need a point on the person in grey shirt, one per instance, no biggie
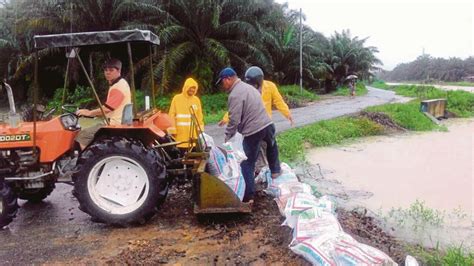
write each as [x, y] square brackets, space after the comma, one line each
[247, 116]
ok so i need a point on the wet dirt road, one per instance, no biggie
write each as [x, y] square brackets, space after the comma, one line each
[57, 231]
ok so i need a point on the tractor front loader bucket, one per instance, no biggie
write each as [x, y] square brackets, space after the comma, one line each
[214, 196]
[211, 195]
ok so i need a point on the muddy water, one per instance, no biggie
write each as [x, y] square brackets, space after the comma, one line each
[392, 172]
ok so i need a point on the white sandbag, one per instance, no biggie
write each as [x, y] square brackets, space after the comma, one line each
[232, 174]
[350, 252]
[236, 143]
[206, 140]
[317, 251]
[216, 162]
[300, 202]
[287, 189]
[410, 261]
[339, 249]
[314, 223]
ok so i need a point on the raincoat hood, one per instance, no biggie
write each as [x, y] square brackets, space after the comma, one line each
[190, 82]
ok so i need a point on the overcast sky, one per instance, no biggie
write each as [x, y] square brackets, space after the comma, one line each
[399, 29]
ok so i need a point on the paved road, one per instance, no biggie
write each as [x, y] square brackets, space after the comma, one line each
[326, 109]
[56, 229]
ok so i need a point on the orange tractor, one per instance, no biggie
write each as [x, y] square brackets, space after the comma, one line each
[124, 175]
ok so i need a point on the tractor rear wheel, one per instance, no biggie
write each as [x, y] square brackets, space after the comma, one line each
[8, 204]
[36, 195]
[119, 181]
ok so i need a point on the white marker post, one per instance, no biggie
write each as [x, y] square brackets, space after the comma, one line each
[147, 102]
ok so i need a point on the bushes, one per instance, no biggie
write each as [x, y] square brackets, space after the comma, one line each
[214, 107]
[461, 103]
[294, 97]
[82, 97]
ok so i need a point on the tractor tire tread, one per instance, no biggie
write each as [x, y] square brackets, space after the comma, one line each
[10, 204]
[149, 159]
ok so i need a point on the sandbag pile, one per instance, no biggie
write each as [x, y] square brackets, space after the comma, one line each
[317, 234]
[226, 165]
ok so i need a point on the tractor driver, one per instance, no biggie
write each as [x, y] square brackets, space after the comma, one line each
[117, 97]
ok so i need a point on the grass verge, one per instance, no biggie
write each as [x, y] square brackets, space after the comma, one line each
[292, 143]
[295, 97]
[380, 84]
[461, 103]
[406, 115]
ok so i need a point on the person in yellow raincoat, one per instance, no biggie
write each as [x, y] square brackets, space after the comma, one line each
[180, 113]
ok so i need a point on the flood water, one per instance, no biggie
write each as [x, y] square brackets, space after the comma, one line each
[419, 183]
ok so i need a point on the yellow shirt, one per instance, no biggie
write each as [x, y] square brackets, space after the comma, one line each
[270, 97]
[180, 113]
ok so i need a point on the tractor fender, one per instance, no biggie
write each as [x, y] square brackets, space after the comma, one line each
[146, 135]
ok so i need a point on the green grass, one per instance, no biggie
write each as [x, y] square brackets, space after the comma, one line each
[214, 107]
[295, 97]
[292, 143]
[344, 90]
[459, 83]
[406, 115]
[455, 255]
[380, 84]
[461, 103]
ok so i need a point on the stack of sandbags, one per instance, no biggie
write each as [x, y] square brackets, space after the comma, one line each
[317, 234]
[226, 165]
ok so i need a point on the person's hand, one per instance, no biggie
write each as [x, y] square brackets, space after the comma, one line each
[290, 118]
[83, 112]
[222, 123]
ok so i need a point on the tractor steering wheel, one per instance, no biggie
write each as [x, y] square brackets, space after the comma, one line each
[70, 109]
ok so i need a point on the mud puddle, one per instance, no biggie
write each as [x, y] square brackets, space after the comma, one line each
[419, 185]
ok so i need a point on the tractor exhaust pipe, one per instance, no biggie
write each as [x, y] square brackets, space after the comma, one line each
[14, 118]
[11, 100]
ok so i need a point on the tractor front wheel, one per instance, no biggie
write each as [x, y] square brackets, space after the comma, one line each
[8, 204]
[120, 181]
[36, 195]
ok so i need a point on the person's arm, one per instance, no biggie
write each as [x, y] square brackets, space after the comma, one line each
[235, 113]
[280, 105]
[172, 115]
[224, 120]
[114, 99]
[93, 113]
[199, 115]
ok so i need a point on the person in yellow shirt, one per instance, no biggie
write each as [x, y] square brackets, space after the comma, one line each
[180, 113]
[271, 97]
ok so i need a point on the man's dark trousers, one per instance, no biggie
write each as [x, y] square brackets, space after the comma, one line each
[251, 146]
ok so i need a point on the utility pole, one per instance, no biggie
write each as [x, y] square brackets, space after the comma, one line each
[301, 50]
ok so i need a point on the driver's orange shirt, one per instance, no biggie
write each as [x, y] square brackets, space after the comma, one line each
[119, 95]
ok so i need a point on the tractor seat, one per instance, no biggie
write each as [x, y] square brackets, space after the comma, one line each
[127, 115]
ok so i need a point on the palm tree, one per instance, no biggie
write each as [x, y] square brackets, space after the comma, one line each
[199, 38]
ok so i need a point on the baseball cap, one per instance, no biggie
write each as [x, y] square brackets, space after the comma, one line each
[225, 73]
[113, 63]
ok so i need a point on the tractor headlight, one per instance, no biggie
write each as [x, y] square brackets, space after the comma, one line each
[69, 121]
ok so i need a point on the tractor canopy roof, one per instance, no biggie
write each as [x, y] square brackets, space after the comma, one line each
[94, 38]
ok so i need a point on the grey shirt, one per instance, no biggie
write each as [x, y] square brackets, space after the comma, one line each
[247, 114]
